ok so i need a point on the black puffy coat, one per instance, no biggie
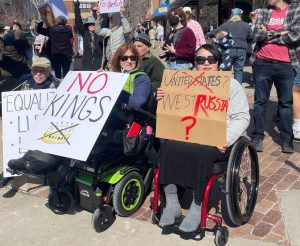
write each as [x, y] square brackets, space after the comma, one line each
[91, 58]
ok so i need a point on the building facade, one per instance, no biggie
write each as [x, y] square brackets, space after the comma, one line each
[212, 13]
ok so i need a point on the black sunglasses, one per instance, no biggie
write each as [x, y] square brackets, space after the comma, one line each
[202, 59]
[125, 58]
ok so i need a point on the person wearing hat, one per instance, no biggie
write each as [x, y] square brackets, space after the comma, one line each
[152, 66]
[92, 43]
[195, 26]
[242, 34]
[40, 77]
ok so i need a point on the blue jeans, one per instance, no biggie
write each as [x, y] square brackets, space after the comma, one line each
[179, 65]
[282, 74]
[238, 59]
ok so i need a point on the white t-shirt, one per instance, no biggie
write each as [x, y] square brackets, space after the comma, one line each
[160, 30]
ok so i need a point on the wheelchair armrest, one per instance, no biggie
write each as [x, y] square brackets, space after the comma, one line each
[131, 108]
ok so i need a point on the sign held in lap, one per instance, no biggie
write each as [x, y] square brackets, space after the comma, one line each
[70, 124]
[20, 109]
[194, 108]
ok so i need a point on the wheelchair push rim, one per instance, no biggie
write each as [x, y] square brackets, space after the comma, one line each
[242, 180]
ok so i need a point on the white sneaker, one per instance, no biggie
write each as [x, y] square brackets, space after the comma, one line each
[297, 135]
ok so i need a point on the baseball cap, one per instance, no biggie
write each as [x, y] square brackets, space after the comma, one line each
[143, 38]
[90, 20]
[41, 62]
[236, 11]
[187, 9]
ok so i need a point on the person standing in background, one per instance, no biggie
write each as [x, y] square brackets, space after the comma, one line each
[92, 43]
[114, 35]
[195, 26]
[179, 47]
[152, 66]
[61, 45]
[152, 35]
[274, 59]
[160, 32]
[241, 34]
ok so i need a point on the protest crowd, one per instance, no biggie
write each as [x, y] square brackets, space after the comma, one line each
[42, 57]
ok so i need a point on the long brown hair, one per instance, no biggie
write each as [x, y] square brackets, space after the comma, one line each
[115, 64]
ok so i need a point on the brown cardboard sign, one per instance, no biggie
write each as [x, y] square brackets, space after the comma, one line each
[194, 108]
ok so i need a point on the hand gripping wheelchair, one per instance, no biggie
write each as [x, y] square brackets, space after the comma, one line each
[109, 181]
[238, 179]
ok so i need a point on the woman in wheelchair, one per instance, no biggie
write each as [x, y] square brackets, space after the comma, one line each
[190, 165]
[136, 92]
[137, 88]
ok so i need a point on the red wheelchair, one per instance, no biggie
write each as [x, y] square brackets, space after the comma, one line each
[238, 178]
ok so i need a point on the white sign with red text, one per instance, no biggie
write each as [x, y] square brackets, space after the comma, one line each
[19, 110]
[110, 6]
[72, 121]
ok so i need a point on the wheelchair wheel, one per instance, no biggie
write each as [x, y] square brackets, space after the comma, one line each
[221, 236]
[59, 204]
[128, 194]
[242, 179]
[103, 219]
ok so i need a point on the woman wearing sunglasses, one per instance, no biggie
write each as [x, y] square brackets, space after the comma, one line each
[137, 88]
[193, 163]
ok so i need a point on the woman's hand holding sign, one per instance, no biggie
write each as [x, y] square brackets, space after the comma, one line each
[160, 94]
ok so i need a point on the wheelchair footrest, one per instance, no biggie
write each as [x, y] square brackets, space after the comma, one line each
[196, 235]
[29, 175]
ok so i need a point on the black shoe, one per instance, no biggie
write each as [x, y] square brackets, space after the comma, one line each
[287, 148]
[17, 164]
[258, 144]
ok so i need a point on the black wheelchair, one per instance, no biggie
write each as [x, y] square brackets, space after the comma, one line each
[238, 179]
[112, 181]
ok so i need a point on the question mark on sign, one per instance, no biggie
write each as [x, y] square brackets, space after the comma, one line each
[188, 127]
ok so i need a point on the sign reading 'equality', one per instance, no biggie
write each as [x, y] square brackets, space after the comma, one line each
[19, 110]
[72, 121]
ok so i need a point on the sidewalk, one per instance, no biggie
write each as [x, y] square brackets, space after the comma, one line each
[276, 220]
[26, 221]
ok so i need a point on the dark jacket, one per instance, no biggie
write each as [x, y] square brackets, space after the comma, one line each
[28, 83]
[14, 60]
[241, 33]
[91, 58]
[184, 42]
[154, 68]
[61, 38]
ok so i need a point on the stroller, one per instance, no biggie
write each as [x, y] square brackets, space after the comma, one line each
[114, 179]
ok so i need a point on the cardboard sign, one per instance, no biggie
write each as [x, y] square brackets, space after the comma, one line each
[51, 9]
[19, 110]
[110, 6]
[195, 106]
[74, 118]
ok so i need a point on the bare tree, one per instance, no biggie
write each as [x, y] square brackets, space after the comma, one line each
[22, 12]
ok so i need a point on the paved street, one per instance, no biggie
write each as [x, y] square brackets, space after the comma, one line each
[25, 219]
